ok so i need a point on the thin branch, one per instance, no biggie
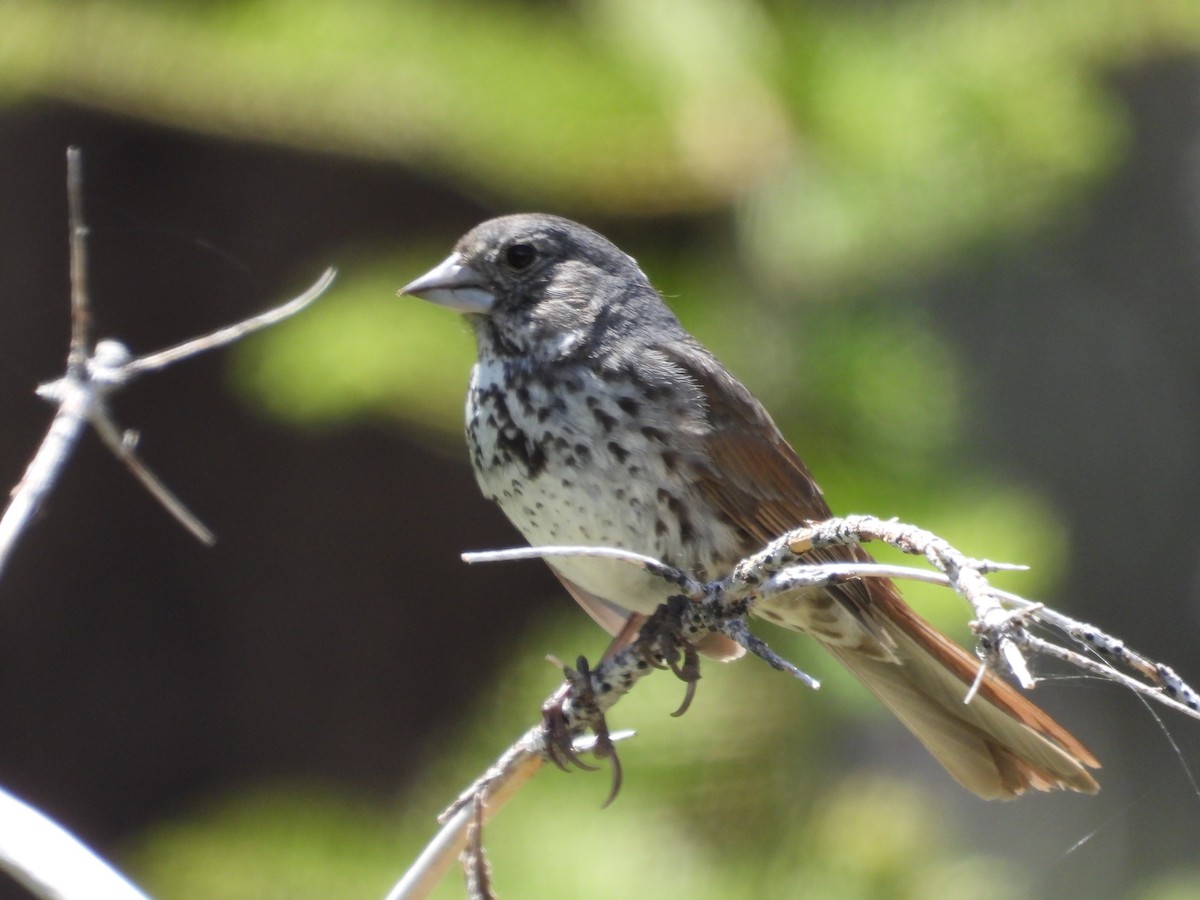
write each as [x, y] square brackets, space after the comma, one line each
[39, 476]
[33, 849]
[476, 869]
[482, 800]
[722, 606]
[122, 445]
[675, 576]
[230, 333]
[81, 320]
[92, 376]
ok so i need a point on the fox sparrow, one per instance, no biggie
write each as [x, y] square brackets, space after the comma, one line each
[593, 418]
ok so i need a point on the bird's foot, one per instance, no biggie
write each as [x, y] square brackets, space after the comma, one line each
[561, 730]
[671, 650]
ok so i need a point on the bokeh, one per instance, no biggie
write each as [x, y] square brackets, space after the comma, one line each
[953, 245]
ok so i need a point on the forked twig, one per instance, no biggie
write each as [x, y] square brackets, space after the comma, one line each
[93, 374]
[34, 850]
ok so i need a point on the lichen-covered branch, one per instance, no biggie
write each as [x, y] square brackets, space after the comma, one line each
[1003, 623]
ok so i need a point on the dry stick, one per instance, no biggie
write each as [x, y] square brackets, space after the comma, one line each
[34, 850]
[477, 871]
[91, 376]
[81, 319]
[720, 606]
[519, 763]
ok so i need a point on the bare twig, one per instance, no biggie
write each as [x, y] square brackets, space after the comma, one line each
[33, 849]
[92, 375]
[230, 333]
[81, 319]
[482, 800]
[1002, 626]
[476, 870]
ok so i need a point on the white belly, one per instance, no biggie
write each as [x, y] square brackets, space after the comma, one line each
[577, 482]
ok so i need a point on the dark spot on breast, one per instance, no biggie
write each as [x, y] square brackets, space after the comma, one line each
[620, 454]
[686, 532]
[583, 452]
[513, 444]
[522, 393]
[629, 405]
[670, 460]
[607, 422]
[654, 434]
[660, 527]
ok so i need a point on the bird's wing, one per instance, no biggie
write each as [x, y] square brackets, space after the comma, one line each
[998, 746]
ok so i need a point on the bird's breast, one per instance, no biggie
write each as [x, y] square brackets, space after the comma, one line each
[576, 458]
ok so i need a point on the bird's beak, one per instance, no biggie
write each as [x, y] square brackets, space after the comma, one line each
[453, 285]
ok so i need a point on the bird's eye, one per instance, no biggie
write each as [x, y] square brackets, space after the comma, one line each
[520, 256]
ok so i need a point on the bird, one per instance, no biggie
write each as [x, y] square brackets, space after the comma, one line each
[593, 418]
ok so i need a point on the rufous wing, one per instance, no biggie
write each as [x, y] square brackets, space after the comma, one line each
[1000, 744]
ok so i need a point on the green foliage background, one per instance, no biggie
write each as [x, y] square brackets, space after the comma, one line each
[826, 156]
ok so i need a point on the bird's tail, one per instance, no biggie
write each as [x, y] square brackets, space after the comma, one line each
[1000, 744]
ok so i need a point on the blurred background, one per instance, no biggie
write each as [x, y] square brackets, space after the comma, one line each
[953, 246]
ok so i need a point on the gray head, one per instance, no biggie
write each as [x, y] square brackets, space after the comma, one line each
[540, 286]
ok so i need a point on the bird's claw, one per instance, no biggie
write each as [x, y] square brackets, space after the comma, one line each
[689, 674]
[672, 646]
[560, 740]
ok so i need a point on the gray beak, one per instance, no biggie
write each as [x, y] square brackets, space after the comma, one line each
[453, 285]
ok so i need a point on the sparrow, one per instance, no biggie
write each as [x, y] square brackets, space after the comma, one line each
[593, 418]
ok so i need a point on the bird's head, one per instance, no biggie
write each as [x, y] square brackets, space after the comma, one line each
[539, 286]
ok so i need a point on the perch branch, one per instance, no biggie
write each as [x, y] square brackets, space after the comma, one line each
[1002, 627]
